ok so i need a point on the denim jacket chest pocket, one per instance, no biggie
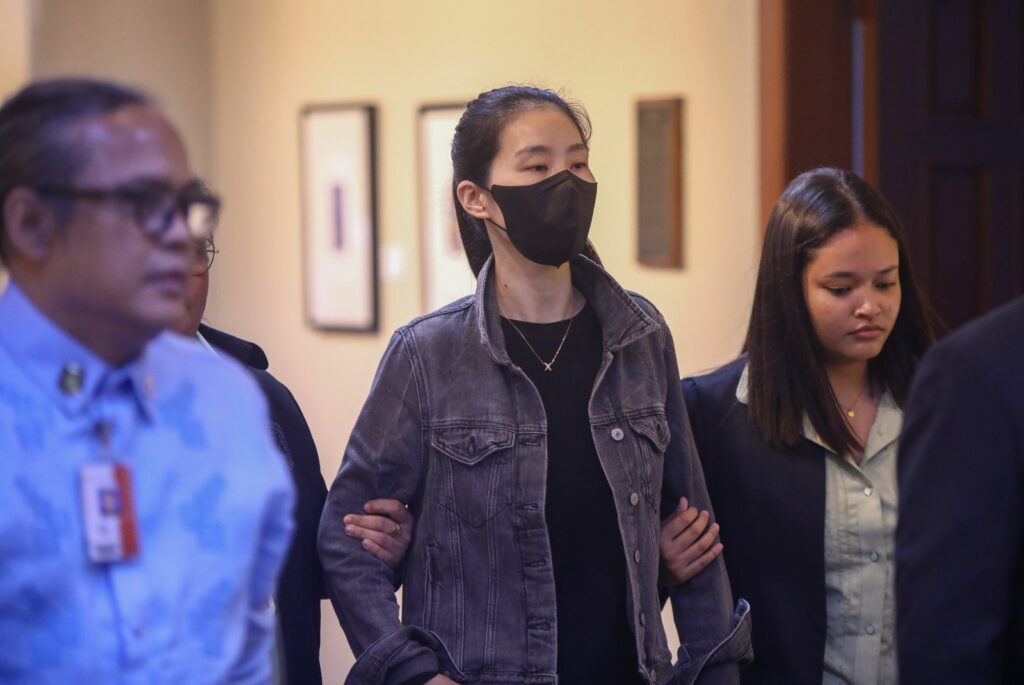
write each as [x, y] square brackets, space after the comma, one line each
[475, 467]
[648, 438]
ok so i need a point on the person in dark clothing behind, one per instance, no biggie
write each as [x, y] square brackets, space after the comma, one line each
[301, 585]
[960, 538]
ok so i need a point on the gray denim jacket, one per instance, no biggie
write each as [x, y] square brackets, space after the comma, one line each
[453, 428]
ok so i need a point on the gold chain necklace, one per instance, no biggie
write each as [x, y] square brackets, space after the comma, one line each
[547, 365]
[850, 410]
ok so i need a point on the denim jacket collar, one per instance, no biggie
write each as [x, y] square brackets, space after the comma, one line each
[622, 320]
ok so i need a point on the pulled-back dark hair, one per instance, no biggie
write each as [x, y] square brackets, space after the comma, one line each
[787, 377]
[34, 148]
[476, 143]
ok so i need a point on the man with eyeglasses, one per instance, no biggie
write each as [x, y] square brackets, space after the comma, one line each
[386, 527]
[144, 510]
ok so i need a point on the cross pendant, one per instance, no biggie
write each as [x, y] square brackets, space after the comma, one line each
[547, 367]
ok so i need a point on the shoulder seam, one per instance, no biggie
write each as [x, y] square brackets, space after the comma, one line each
[451, 308]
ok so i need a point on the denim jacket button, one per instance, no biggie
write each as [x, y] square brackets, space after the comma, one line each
[634, 498]
[636, 556]
[617, 434]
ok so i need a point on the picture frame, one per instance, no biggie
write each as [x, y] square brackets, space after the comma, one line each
[660, 148]
[338, 171]
[445, 272]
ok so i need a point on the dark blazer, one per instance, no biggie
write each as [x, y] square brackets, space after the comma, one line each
[301, 585]
[771, 506]
[960, 537]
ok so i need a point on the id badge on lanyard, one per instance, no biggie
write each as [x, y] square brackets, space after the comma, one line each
[108, 512]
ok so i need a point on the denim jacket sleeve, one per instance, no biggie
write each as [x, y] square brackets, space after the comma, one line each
[714, 636]
[384, 458]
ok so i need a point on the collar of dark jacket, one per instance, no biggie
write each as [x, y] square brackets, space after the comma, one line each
[622, 320]
[248, 353]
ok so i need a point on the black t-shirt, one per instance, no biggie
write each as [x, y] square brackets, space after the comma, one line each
[595, 638]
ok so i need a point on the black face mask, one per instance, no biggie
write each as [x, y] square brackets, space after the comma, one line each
[548, 222]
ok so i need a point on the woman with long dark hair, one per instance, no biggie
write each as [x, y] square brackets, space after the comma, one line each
[537, 431]
[798, 436]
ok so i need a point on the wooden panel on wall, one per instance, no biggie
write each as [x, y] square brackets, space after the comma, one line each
[956, 249]
[943, 107]
[956, 58]
[951, 127]
[806, 53]
[773, 103]
[1008, 239]
[818, 66]
[659, 125]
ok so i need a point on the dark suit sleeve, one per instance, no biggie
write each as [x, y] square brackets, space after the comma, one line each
[691, 395]
[301, 586]
[309, 479]
[959, 533]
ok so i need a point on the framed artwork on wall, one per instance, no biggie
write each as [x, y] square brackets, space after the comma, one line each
[660, 182]
[446, 275]
[339, 216]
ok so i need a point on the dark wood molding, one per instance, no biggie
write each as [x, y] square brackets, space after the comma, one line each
[806, 105]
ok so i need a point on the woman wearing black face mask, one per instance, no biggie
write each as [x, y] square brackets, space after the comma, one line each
[538, 433]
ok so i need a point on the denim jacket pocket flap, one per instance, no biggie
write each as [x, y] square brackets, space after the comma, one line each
[471, 444]
[654, 427]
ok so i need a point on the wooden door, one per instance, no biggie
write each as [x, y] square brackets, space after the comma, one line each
[951, 145]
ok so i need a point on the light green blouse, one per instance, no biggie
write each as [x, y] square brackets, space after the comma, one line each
[860, 529]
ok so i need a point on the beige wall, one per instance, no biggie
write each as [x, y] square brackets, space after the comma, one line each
[160, 45]
[270, 58]
[234, 74]
[269, 61]
[14, 45]
[14, 57]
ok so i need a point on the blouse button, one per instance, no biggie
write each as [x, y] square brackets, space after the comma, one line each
[617, 434]
[636, 556]
[634, 498]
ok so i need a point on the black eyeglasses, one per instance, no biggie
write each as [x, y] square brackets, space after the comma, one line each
[203, 254]
[155, 205]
